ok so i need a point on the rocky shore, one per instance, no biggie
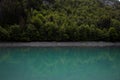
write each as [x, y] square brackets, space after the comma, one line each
[58, 44]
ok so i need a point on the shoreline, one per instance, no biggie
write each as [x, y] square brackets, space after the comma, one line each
[59, 44]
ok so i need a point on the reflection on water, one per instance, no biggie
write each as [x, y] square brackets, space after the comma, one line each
[60, 63]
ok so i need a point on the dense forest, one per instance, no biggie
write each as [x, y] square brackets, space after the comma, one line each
[59, 20]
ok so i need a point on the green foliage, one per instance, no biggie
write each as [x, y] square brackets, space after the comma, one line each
[84, 31]
[50, 31]
[113, 35]
[59, 20]
[104, 22]
[15, 32]
[116, 24]
[32, 33]
[4, 35]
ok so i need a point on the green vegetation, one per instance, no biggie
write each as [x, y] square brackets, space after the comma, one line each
[59, 20]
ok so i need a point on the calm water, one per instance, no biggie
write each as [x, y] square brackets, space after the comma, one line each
[60, 63]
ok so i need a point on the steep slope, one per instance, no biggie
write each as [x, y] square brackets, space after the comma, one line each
[60, 20]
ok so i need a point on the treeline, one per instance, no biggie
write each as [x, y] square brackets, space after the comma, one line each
[59, 20]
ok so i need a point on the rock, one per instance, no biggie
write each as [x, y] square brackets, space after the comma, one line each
[111, 3]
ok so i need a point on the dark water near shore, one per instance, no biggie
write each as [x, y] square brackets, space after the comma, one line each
[60, 63]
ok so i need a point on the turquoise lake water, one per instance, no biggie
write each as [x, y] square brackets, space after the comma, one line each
[60, 63]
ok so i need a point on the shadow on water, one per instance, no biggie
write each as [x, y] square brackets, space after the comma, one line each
[60, 63]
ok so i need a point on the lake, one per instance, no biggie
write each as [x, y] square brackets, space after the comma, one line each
[60, 63]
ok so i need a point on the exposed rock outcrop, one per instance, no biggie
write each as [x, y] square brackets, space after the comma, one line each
[110, 2]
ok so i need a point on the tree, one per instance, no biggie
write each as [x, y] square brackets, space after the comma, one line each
[4, 34]
[37, 19]
[50, 31]
[83, 32]
[116, 24]
[113, 35]
[12, 12]
[32, 33]
[35, 4]
[59, 20]
[104, 22]
[15, 32]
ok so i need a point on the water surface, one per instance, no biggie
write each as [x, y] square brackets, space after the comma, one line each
[60, 63]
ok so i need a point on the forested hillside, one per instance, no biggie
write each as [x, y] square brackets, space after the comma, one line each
[59, 20]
